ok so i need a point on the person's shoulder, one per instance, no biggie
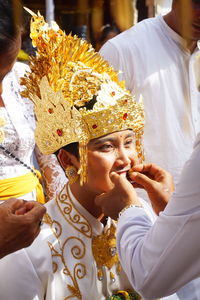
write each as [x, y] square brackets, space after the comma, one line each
[20, 68]
[138, 33]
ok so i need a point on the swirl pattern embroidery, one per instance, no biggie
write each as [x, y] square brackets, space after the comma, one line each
[71, 214]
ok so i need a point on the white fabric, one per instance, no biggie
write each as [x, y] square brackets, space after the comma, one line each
[18, 129]
[68, 230]
[159, 259]
[155, 64]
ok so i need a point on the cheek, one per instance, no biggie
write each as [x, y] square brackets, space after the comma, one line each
[100, 164]
[133, 157]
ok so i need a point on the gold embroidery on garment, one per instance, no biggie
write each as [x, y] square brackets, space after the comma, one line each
[77, 248]
[105, 252]
[54, 225]
[71, 214]
[72, 245]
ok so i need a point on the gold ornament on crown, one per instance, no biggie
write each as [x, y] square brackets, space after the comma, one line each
[76, 94]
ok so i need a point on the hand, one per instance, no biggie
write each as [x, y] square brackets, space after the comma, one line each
[19, 224]
[156, 181]
[122, 195]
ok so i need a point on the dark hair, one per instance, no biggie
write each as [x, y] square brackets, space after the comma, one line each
[71, 148]
[11, 22]
[106, 29]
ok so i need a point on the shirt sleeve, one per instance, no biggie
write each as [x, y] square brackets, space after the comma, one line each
[161, 258]
[19, 279]
[110, 53]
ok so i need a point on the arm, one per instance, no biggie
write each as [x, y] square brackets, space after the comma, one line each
[53, 175]
[19, 224]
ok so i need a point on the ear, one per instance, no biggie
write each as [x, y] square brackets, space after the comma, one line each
[67, 159]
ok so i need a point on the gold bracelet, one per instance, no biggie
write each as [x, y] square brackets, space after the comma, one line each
[127, 207]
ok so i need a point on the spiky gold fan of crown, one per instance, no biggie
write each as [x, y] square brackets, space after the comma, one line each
[77, 95]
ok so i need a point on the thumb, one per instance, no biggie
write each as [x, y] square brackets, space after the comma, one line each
[142, 179]
[115, 178]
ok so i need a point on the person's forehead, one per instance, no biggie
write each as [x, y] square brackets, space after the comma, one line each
[113, 135]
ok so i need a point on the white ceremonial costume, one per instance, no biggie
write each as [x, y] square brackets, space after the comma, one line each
[18, 129]
[60, 264]
[155, 63]
[168, 251]
[17, 124]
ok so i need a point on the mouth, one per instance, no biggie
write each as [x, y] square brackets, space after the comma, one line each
[123, 172]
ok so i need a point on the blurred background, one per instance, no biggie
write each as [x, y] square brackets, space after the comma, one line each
[97, 20]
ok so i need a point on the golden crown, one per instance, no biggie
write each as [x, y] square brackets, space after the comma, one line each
[76, 94]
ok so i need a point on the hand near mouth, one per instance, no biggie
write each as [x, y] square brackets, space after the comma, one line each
[157, 182]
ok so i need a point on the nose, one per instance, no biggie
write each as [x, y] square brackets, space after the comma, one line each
[122, 158]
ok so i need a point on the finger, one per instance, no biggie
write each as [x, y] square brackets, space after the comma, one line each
[37, 211]
[136, 185]
[142, 179]
[29, 205]
[114, 177]
[119, 180]
[20, 211]
[137, 168]
[12, 204]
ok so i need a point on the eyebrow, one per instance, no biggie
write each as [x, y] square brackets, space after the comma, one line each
[107, 139]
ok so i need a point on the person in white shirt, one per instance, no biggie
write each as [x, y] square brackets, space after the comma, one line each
[169, 250]
[162, 62]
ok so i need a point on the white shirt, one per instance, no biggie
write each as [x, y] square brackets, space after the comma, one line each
[155, 64]
[19, 125]
[60, 264]
[159, 259]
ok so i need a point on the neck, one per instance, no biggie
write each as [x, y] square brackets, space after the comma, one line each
[171, 21]
[86, 198]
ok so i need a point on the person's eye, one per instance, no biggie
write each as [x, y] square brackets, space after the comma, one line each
[106, 147]
[129, 142]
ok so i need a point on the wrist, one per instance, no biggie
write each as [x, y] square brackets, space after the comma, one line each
[127, 207]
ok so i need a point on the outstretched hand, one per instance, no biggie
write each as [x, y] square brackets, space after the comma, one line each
[122, 195]
[157, 182]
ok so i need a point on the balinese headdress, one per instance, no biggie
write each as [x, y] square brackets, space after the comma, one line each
[76, 94]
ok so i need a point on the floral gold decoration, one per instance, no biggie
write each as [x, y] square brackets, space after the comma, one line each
[105, 251]
[76, 93]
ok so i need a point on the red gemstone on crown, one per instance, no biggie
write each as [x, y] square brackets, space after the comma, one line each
[113, 93]
[94, 126]
[50, 110]
[125, 116]
[59, 132]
